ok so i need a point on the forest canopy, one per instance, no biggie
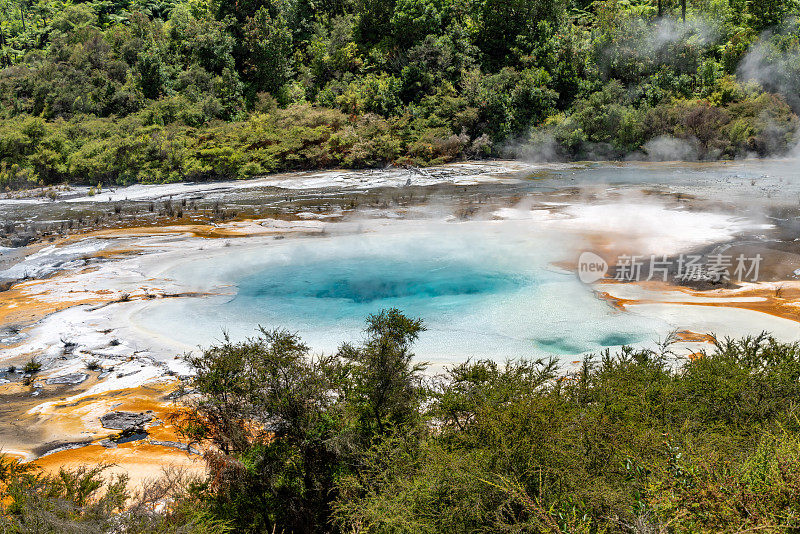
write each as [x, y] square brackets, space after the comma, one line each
[122, 91]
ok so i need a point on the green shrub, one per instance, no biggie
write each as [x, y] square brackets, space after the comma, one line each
[32, 367]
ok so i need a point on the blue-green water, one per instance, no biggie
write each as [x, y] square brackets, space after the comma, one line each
[484, 291]
[366, 280]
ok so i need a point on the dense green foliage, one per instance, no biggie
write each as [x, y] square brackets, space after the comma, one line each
[363, 441]
[287, 425]
[162, 90]
[360, 442]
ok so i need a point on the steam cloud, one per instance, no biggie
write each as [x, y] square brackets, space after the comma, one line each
[772, 62]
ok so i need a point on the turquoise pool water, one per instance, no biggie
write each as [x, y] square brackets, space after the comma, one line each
[363, 282]
[484, 291]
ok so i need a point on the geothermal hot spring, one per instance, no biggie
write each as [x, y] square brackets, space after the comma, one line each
[485, 289]
[483, 253]
[498, 284]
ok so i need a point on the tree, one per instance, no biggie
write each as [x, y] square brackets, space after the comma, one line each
[414, 19]
[385, 389]
[152, 76]
[503, 23]
[374, 20]
[268, 42]
[5, 61]
[767, 13]
[284, 424]
[265, 407]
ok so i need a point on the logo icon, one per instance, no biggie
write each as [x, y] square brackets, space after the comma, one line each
[591, 267]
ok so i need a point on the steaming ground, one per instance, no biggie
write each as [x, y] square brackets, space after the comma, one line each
[483, 252]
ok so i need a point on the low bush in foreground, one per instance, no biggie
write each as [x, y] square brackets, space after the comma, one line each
[89, 500]
[362, 441]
